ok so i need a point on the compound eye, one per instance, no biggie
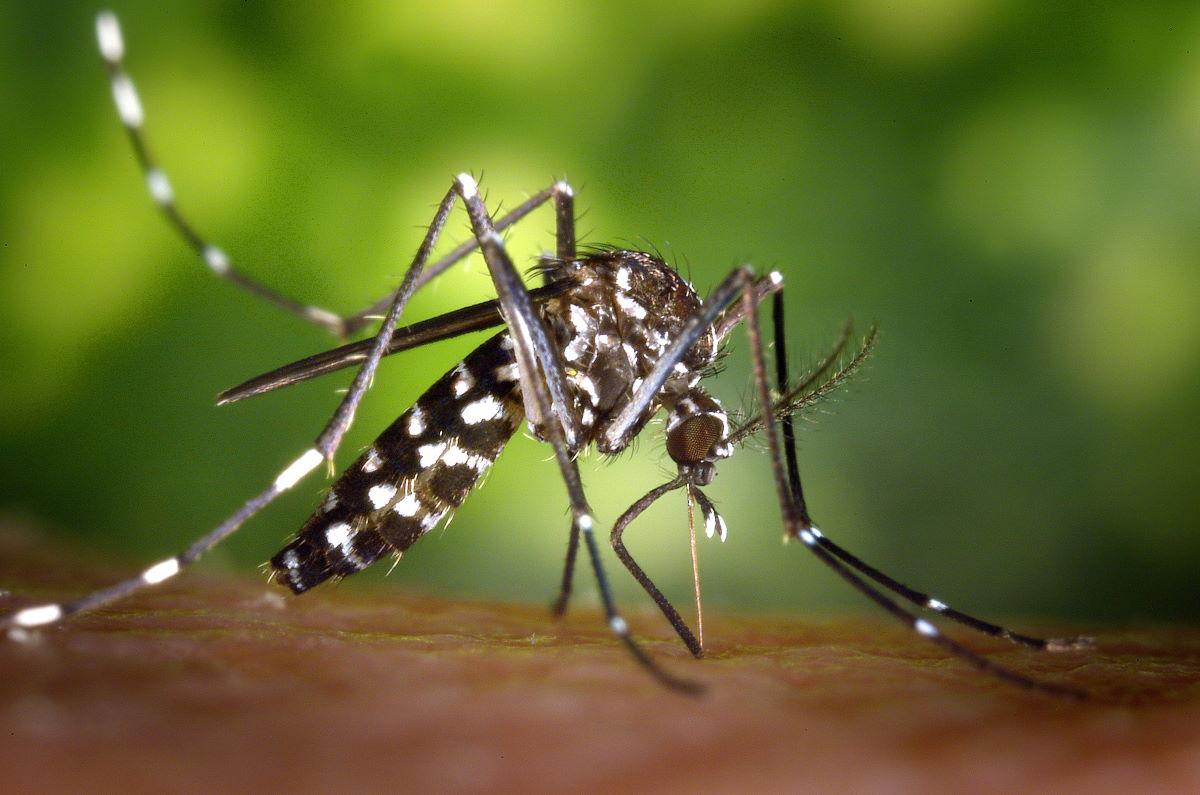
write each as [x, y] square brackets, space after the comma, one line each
[692, 440]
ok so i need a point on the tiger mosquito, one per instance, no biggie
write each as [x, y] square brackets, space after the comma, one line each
[611, 338]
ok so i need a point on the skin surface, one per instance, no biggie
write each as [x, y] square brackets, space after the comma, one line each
[214, 681]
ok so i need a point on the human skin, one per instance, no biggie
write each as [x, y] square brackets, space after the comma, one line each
[222, 682]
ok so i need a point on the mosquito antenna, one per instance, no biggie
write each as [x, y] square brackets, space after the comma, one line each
[812, 390]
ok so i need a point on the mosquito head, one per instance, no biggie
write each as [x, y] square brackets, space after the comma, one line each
[697, 436]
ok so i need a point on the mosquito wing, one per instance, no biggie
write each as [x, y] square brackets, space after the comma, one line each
[452, 324]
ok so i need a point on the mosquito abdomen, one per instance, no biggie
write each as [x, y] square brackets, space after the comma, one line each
[416, 472]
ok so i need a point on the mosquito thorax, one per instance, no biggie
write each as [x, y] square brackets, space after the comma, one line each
[613, 326]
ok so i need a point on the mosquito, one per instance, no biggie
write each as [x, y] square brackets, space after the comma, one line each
[610, 339]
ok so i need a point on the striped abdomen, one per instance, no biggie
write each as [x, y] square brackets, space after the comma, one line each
[418, 470]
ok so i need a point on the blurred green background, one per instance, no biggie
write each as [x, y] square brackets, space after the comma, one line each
[1009, 189]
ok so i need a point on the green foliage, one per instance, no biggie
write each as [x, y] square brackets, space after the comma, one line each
[1009, 190]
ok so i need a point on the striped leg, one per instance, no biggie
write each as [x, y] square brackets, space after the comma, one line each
[799, 526]
[546, 405]
[18, 623]
[911, 595]
[132, 115]
[323, 450]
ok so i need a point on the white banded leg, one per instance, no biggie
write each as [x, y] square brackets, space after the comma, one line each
[718, 312]
[40, 615]
[927, 602]
[324, 449]
[799, 526]
[545, 398]
[158, 184]
[717, 303]
[913, 596]
[564, 203]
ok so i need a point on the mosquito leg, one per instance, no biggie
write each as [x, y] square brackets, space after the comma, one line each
[559, 607]
[129, 109]
[916, 597]
[789, 429]
[545, 395]
[799, 527]
[19, 622]
[132, 115]
[534, 350]
[927, 602]
[618, 545]
[323, 450]
[564, 218]
[329, 439]
[564, 203]
[697, 325]
[719, 304]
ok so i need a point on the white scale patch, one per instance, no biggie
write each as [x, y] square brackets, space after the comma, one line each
[463, 383]
[482, 410]
[108, 34]
[327, 318]
[161, 571]
[575, 349]
[579, 318]
[656, 339]
[339, 535]
[216, 259]
[623, 278]
[585, 383]
[470, 189]
[381, 495]
[129, 105]
[455, 456]
[306, 463]
[430, 453]
[715, 524]
[372, 462]
[408, 506]
[631, 307]
[416, 422]
[508, 372]
[432, 519]
[159, 187]
[37, 616]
